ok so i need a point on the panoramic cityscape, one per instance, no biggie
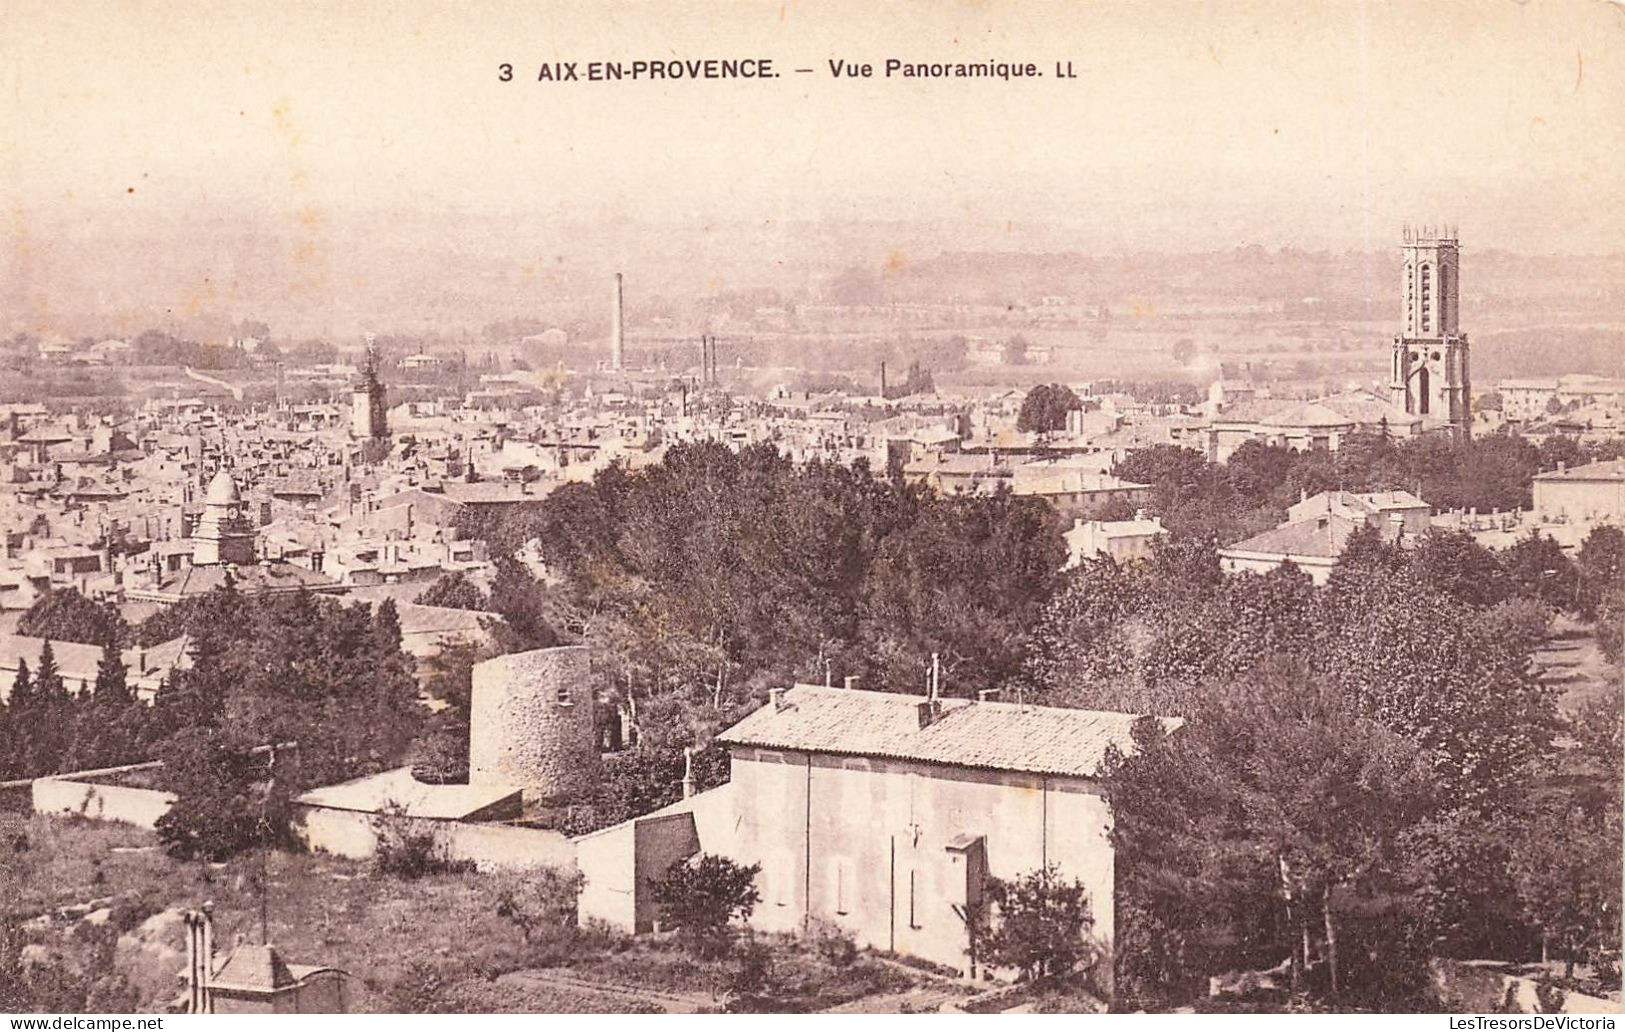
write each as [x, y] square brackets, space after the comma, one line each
[687, 592]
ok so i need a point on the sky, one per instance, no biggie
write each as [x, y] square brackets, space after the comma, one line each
[1188, 126]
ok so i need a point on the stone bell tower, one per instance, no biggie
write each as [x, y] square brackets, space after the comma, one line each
[369, 400]
[1431, 372]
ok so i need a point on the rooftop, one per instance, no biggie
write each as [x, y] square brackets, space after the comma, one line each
[375, 792]
[989, 735]
[1320, 537]
[253, 968]
[1612, 470]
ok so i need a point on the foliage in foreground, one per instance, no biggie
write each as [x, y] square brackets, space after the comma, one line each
[702, 895]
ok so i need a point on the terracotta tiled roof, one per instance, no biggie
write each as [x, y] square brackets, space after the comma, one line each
[250, 580]
[1323, 537]
[991, 735]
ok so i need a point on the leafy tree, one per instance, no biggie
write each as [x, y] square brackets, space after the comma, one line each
[1453, 563]
[229, 798]
[1195, 498]
[63, 614]
[1439, 673]
[1611, 623]
[1043, 924]
[530, 611]
[962, 582]
[1251, 831]
[1567, 868]
[1260, 471]
[1045, 408]
[1601, 564]
[1537, 568]
[454, 591]
[700, 896]
[1557, 450]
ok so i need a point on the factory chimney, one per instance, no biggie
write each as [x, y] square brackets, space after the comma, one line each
[617, 341]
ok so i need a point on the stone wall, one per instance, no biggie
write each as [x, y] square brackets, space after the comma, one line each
[491, 847]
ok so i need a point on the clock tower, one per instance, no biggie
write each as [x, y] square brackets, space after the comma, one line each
[1431, 373]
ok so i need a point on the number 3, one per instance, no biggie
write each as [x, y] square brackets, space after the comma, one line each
[505, 73]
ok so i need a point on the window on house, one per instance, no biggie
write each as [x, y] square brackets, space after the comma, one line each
[782, 870]
[841, 887]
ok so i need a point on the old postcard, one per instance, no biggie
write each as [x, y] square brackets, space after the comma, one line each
[855, 508]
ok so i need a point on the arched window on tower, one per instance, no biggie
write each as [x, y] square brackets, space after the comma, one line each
[1422, 390]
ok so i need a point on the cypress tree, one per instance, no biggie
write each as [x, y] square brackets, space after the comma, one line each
[13, 756]
[51, 729]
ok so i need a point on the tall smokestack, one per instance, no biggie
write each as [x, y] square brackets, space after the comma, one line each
[617, 341]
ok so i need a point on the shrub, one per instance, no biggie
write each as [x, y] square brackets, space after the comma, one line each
[833, 944]
[701, 895]
[749, 976]
[410, 852]
[1043, 924]
[540, 900]
[228, 798]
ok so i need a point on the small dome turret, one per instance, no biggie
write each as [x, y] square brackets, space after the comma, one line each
[222, 490]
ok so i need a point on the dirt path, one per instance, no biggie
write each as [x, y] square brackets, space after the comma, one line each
[669, 1002]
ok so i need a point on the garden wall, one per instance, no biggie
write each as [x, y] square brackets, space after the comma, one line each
[491, 847]
[91, 793]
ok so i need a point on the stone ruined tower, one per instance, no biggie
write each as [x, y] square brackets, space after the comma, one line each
[1431, 374]
[531, 723]
[369, 400]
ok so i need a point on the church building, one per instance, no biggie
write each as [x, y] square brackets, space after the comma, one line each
[225, 546]
[1431, 372]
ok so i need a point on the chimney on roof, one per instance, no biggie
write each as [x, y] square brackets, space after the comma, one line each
[776, 697]
[848, 681]
[688, 773]
[929, 710]
[990, 695]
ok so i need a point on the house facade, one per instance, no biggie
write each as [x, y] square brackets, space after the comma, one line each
[884, 814]
[1591, 493]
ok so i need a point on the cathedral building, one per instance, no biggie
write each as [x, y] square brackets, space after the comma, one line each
[1431, 372]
